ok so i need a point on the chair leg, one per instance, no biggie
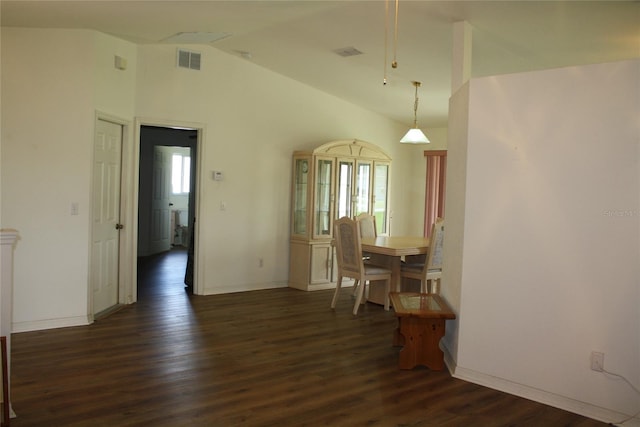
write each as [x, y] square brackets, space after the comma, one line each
[337, 292]
[387, 289]
[424, 285]
[356, 284]
[358, 297]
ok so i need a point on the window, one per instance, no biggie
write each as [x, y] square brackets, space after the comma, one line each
[180, 173]
[435, 189]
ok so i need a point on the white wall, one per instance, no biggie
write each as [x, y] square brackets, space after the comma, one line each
[455, 212]
[549, 224]
[114, 89]
[418, 167]
[54, 81]
[254, 120]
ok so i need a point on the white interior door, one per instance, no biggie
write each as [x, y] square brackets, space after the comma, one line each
[106, 215]
[160, 238]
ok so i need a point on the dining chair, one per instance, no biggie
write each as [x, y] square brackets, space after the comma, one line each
[429, 272]
[367, 225]
[351, 265]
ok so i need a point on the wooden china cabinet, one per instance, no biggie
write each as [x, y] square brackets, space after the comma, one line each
[339, 178]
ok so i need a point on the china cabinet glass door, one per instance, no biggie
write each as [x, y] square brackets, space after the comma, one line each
[345, 180]
[380, 202]
[323, 223]
[363, 188]
[300, 194]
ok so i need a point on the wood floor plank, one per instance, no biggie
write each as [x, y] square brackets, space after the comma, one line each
[277, 357]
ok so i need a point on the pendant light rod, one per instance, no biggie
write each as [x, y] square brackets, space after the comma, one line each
[386, 39]
[394, 64]
[415, 135]
[415, 105]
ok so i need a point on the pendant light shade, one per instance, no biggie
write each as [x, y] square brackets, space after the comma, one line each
[415, 135]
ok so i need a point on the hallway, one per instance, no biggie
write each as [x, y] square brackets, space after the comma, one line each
[162, 275]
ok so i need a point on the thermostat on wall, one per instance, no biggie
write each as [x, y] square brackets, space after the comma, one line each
[217, 176]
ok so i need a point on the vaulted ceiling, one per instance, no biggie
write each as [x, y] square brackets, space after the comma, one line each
[299, 39]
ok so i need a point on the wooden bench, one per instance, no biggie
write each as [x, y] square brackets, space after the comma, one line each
[421, 325]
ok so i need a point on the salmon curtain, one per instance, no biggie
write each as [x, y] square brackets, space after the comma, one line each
[435, 188]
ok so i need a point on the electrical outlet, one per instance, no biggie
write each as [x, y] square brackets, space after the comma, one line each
[597, 361]
[260, 262]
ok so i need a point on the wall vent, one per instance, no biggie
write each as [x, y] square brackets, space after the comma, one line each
[348, 51]
[189, 59]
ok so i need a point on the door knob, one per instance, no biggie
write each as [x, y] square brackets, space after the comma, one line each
[119, 226]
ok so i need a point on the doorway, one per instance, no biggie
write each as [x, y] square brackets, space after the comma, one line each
[167, 200]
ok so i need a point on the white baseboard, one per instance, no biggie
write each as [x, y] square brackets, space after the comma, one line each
[39, 325]
[245, 288]
[540, 396]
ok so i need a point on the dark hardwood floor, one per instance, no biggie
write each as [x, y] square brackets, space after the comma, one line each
[277, 357]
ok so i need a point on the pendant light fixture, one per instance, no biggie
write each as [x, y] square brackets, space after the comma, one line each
[415, 135]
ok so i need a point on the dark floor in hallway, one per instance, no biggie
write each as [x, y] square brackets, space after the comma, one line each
[162, 274]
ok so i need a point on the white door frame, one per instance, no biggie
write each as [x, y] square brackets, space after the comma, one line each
[198, 289]
[124, 258]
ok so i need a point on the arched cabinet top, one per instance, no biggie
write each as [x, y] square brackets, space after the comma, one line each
[352, 148]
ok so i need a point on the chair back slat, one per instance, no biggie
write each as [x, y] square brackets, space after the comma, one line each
[434, 260]
[348, 249]
[367, 225]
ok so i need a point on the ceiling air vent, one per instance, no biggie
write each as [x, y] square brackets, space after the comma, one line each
[189, 59]
[347, 51]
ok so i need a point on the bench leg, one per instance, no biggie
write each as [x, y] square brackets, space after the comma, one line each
[421, 339]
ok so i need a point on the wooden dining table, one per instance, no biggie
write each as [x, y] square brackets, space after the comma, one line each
[389, 251]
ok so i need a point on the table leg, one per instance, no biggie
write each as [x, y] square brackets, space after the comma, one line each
[396, 279]
[398, 338]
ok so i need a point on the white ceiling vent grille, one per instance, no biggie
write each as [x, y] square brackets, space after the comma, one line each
[189, 59]
[347, 51]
